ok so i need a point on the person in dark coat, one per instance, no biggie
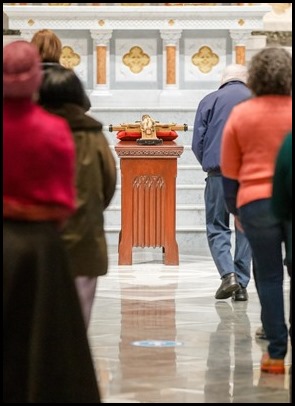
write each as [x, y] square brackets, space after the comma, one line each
[46, 355]
[211, 116]
[282, 208]
[282, 192]
[83, 234]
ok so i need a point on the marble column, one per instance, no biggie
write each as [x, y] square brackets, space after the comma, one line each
[171, 58]
[239, 38]
[101, 60]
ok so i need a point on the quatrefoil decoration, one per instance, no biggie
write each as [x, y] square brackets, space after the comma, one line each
[136, 59]
[69, 58]
[205, 59]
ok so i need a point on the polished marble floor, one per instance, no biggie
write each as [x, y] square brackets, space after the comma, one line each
[158, 335]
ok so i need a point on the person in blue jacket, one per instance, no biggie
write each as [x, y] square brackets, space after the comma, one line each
[211, 116]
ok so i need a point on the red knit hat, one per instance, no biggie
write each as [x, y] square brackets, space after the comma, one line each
[22, 71]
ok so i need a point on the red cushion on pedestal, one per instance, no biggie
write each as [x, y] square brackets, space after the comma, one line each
[130, 136]
[167, 135]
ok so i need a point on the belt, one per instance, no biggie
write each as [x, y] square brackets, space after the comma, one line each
[215, 172]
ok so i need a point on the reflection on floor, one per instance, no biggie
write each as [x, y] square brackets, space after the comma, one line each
[158, 336]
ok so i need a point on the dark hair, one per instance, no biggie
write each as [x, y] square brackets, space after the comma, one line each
[61, 85]
[270, 72]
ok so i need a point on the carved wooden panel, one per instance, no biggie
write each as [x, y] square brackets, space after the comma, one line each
[149, 209]
[148, 199]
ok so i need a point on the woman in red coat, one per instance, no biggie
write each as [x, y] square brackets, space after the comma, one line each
[46, 357]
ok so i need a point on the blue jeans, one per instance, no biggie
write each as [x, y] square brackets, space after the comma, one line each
[265, 234]
[219, 235]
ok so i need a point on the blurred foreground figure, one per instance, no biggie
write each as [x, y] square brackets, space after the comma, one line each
[251, 140]
[46, 357]
[282, 208]
[83, 233]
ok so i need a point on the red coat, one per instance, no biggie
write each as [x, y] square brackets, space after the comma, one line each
[47, 357]
[38, 163]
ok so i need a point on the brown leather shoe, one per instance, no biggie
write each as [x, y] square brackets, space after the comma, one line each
[240, 295]
[228, 285]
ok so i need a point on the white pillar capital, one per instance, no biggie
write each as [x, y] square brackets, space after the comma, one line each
[101, 37]
[240, 37]
[170, 37]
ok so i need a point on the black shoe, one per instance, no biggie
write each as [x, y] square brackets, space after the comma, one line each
[240, 295]
[228, 285]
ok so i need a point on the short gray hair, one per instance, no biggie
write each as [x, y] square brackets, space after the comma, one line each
[235, 72]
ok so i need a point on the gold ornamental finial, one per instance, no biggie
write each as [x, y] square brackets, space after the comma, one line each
[148, 128]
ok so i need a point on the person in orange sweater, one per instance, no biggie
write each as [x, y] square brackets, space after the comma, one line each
[251, 140]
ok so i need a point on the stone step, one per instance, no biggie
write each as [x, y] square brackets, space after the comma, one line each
[189, 239]
[190, 175]
[188, 157]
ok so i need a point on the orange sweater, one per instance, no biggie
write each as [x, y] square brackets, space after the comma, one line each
[250, 143]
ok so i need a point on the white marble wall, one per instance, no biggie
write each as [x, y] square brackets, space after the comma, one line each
[123, 73]
[129, 94]
[218, 45]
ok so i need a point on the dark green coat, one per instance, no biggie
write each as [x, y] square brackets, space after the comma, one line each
[282, 191]
[83, 233]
